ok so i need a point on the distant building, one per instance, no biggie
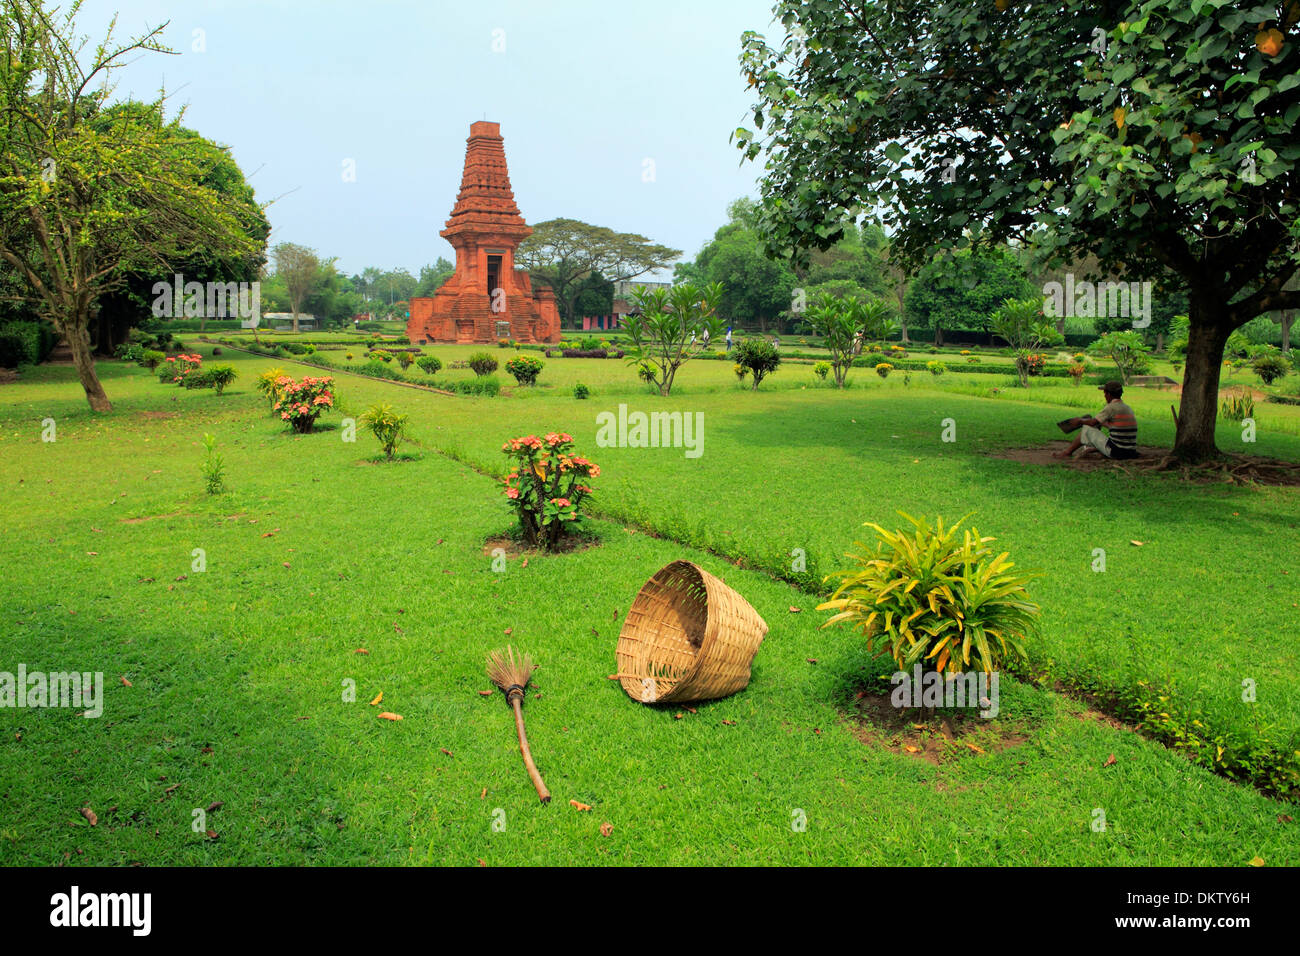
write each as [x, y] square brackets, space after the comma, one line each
[622, 305]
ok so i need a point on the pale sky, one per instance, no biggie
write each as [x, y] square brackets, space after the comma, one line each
[589, 94]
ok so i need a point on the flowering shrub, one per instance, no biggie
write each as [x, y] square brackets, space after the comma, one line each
[301, 403]
[1034, 363]
[936, 368]
[883, 369]
[525, 369]
[1076, 372]
[821, 369]
[174, 370]
[546, 487]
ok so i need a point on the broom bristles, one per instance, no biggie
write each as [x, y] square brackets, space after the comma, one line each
[506, 670]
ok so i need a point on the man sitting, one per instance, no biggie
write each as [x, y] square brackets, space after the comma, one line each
[1117, 418]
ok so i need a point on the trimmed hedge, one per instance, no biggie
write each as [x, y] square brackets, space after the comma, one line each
[912, 365]
[25, 343]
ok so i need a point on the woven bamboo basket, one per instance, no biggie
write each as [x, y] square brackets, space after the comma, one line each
[687, 637]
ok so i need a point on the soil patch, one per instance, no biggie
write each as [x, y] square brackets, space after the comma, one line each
[1230, 469]
[517, 549]
[946, 736]
[8, 375]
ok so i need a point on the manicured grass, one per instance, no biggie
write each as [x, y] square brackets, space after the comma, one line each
[249, 657]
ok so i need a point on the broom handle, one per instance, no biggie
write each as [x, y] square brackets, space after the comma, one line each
[528, 756]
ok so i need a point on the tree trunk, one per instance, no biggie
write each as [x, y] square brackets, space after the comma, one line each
[1198, 409]
[938, 336]
[1286, 320]
[902, 325]
[1160, 342]
[79, 342]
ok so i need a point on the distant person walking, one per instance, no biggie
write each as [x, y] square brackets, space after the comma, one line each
[728, 338]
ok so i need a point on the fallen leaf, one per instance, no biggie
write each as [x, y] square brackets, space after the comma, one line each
[524, 564]
[485, 693]
[579, 806]
[445, 750]
[212, 834]
[481, 862]
[483, 794]
[172, 788]
[93, 553]
[286, 564]
[126, 683]
[1257, 861]
[398, 629]
[730, 723]
[690, 709]
[183, 577]
[268, 534]
[1136, 543]
[910, 749]
[1283, 818]
[1109, 760]
[975, 747]
[510, 630]
[216, 805]
[361, 650]
[678, 716]
[606, 828]
[378, 698]
[811, 660]
[387, 716]
[817, 731]
[89, 814]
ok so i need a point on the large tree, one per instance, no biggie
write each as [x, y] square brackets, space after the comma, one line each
[302, 273]
[962, 290]
[1154, 135]
[562, 253]
[89, 195]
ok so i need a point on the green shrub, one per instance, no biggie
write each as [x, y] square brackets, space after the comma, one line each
[132, 352]
[381, 355]
[213, 467]
[430, 364]
[221, 375]
[1270, 367]
[151, 358]
[936, 368]
[525, 369]
[589, 344]
[758, 356]
[883, 369]
[483, 363]
[941, 598]
[821, 369]
[25, 343]
[388, 427]
[198, 378]
[581, 391]
[405, 359]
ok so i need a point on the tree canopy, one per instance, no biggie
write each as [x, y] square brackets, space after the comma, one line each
[1155, 135]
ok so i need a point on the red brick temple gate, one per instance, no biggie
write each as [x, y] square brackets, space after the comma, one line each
[487, 298]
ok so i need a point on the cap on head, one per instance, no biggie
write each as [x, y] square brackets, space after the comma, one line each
[1112, 389]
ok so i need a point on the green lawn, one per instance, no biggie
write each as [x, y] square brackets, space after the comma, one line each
[237, 673]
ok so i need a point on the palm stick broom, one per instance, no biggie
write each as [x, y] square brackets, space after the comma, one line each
[512, 675]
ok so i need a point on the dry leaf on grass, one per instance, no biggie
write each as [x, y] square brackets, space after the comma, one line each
[606, 828]
[1109, 760]
[730, 723]
[445, 750]
[483, 794]
[579, 806]
[126, 683]
[910, 749]
[1136, 543]
[387, 716]
[1257, 861]
[89, 814]
[975, 747]
[378, 698]
[795, 610]
[361, 650]
[485, 693]
[212, 834]
[216, 805]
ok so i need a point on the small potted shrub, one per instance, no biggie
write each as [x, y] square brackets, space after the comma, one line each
[883, 369]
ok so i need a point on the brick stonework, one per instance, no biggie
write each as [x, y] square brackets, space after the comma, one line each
[485, 223]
